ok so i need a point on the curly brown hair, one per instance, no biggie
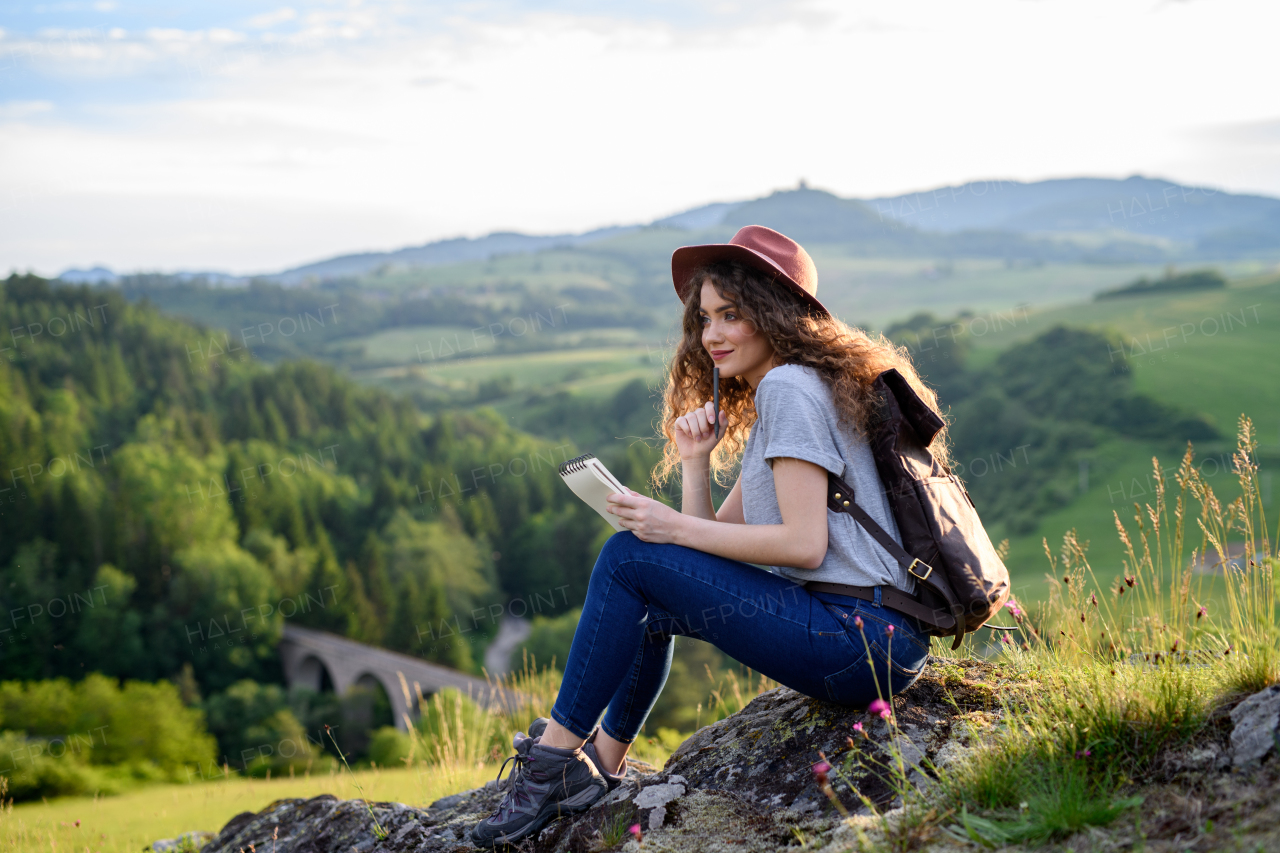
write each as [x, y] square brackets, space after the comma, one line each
[848, 359]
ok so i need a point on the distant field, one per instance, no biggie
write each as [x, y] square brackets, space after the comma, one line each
[1221, 355]
[879, 291]
[435, 345]
[595, 371]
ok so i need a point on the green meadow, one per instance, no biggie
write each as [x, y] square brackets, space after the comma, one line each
[130, 822]
[1211, 352]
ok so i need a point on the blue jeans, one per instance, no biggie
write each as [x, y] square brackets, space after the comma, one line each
[641, 595]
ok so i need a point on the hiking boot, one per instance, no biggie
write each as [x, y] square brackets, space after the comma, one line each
[538, 726]
[547, 782]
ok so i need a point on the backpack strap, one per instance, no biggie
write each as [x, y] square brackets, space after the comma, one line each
[840, 499]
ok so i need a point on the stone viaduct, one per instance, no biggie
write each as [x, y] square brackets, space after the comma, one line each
[307, 654]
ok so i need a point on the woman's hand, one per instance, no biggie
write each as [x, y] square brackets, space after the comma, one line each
[650, 520]
[695, 432]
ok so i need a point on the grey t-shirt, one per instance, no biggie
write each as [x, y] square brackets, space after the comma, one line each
[796, 418]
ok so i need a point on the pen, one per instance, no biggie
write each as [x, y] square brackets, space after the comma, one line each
[715, 398]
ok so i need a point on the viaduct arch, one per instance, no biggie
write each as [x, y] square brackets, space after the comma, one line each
[306, 654]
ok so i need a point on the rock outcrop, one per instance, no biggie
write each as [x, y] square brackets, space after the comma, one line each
[743, 783]
[1255, 722]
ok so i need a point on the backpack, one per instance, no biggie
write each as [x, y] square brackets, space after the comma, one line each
[960, 580]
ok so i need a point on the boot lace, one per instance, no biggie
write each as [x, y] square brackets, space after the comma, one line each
[517, 798]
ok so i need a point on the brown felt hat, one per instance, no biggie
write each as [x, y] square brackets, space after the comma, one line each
[774, 254]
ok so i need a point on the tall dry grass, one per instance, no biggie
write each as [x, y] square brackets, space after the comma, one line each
[456, 733]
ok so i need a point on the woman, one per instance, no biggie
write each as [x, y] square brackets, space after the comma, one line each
[796, 402]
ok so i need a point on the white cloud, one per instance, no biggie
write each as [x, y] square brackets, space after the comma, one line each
[554, 122]
[271, 19]
[19, 110]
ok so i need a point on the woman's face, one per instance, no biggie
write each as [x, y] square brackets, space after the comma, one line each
[734, 343]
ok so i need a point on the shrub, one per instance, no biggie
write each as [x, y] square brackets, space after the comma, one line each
[256, 730]
[33, 769]
[109, 724]
[390, 747]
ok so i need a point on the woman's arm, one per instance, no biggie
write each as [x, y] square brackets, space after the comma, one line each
[731, 507]
[800, 541]
[696, 495]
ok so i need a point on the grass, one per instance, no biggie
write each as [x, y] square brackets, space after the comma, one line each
[129, 822]
[1124, 674]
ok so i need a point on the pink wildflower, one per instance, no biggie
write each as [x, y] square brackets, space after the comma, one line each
[1201, 612]
[857, 727]
[635, 830]
[879, 708]
[1083, 753]
[857, 621]
[889, 630]
[1004, 638]
[1093, 599]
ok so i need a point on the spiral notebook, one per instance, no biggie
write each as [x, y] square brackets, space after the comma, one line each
[592, 482]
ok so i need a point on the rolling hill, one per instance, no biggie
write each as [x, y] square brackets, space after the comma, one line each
[1199, 219]
[1134, 219]
[1137, 219]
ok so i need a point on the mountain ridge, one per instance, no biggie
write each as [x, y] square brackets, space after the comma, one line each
[995, 217]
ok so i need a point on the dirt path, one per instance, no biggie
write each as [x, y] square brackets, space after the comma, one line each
[512, 631]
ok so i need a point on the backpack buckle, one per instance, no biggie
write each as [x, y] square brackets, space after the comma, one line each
[911, 569]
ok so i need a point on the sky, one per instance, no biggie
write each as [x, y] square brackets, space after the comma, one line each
[249, 137]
